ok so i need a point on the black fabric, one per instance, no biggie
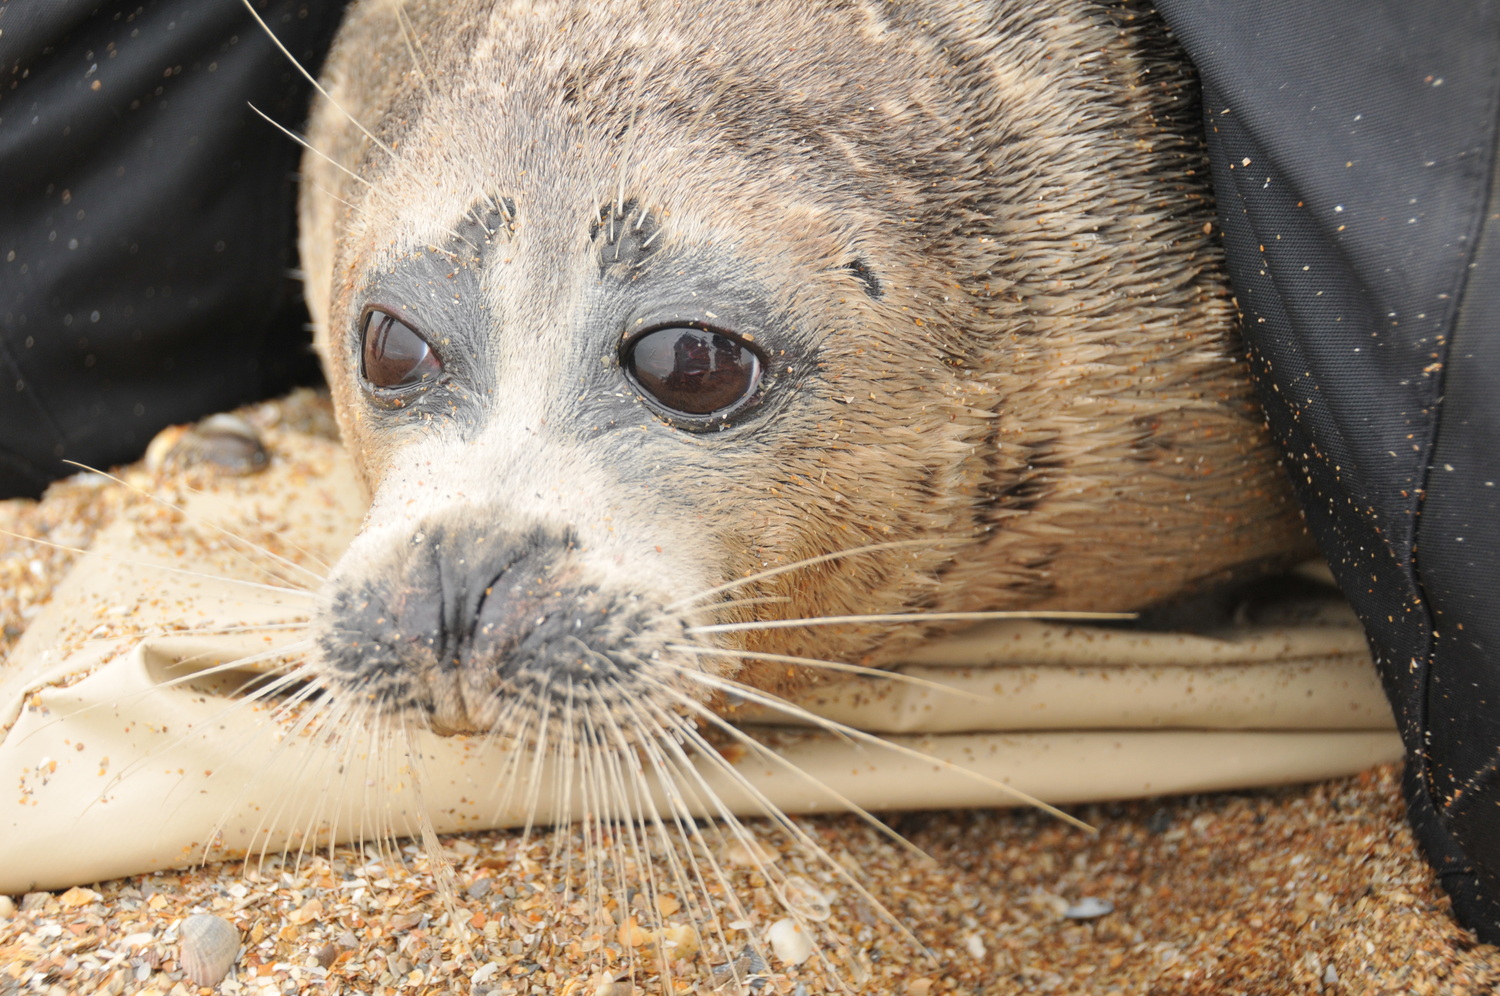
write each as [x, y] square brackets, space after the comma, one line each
[145, 221]
[1353, 147]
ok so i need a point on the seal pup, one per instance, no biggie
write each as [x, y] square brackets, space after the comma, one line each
[661, 333]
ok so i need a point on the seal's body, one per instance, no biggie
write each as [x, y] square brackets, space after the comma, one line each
[626, 305]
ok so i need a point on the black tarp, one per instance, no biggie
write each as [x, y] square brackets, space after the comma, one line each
[1353, 152]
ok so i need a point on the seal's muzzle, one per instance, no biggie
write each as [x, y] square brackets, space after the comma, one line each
[461, 625]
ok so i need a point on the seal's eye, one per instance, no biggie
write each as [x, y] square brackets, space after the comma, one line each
[395, 356]
[692, 371]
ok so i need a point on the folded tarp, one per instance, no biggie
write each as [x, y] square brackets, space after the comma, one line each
[126, 755]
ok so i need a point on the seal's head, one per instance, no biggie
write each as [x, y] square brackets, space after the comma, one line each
[626, 305]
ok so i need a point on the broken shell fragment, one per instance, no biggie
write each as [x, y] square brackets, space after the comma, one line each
[805, 901]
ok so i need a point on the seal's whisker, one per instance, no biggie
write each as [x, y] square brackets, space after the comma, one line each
[803, 838]
[413, 45]
[329, 724]
[252, 686]
[910, 617]
[636, 789]
[534, 783]
[827, 665]
[444, 879]
[566, 752]
[689, 830]
[239, 541]
[263, 627]
[670, 777]
[374, 821]
[778, 817]
[228, 666]
[308, 688]
[689, 835]
[755, 695]
[755, 746]
[234, 705]
[148, 565]
[297, 65]
[307, 838]
[271, 817]
[797, 565]
[739, 603]
[617, 829]
[309, 147]
[354, 209]
[385, 744]
[597, 841]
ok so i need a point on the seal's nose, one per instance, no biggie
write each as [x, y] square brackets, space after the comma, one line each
[457, 623]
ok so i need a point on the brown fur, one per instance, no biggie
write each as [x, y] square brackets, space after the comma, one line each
[1048, 385]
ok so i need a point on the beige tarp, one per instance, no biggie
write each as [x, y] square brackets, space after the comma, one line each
[117, 765]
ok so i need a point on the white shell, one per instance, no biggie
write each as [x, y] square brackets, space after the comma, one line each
[207, 947]
[1088, 908]
[805, 900]
[790, 941]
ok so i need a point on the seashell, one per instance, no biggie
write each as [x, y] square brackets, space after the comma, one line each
[744, 852]
[1088, 908]
[805, 901]
[789, 941]
[610, 986]
[207, 946]
[225, 441]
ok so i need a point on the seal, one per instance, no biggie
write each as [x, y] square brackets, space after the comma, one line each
[629, 308]
[692, 353]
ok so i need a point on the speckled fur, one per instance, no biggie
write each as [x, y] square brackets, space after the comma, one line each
[985, 227]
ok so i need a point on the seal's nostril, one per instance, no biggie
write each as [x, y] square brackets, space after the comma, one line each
[455, 628]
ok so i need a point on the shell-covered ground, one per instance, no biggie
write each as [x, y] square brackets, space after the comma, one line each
[1316, 889]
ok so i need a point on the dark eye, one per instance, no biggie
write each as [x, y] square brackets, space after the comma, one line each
[395, 355]
[693, 371]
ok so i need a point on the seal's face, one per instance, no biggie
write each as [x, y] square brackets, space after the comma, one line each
[629, 308]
